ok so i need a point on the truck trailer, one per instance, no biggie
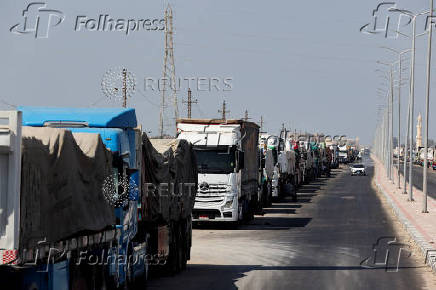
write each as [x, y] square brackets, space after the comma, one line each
[76, 195]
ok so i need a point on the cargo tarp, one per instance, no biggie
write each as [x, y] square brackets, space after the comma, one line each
[169, 179]
[61, 185]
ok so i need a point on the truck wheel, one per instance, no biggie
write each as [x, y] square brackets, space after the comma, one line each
[170, 267]
[140, 282]
[269, 194]
[183, 243]
[294, 194]
[252, 207]
[240, 212]
[180, 247]
[243, 212]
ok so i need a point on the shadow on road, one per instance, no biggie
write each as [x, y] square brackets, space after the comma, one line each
[204, 276]
[276, 223]
[279, 216]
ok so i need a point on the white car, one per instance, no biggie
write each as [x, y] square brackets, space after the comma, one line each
[357, 169]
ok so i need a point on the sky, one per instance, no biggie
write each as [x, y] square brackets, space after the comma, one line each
[301, 63]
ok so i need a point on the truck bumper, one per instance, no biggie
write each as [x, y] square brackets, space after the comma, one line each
[214, 214]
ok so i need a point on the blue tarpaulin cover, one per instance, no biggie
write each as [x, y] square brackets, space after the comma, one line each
[94, 117]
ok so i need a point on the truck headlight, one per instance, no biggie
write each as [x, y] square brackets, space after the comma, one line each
[229, 203]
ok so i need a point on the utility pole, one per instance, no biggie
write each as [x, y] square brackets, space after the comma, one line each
[189, 103]
[283, 130]
[261, 123]
[168, 74]
[223, 111]
[124, 88]
[246, 115]
[427, 98]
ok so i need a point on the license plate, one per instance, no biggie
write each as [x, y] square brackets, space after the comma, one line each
[203, 217]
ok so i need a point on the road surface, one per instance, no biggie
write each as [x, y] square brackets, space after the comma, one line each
[317, 243]
[417, 178]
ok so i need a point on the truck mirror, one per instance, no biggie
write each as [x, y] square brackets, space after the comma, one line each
[241, 159]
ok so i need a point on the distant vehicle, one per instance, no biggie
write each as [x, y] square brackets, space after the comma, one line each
[357, 169]
[343, 154]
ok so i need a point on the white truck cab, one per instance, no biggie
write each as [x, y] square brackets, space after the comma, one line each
[227, 177]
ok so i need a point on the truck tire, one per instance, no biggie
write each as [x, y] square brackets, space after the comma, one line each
[170, 267]
[243, 211]
[240, 212]
[180, 247]
[189, 238]
[269, 193]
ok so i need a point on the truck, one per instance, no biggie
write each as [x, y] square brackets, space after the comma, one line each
[292, 145]
[326, 159]
[306, 161]
[282, 168]
[228, 168]
[78, 203]
[265, 187]
[335, 156]
[343, 154]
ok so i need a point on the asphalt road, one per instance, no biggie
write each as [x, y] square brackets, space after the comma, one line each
[317, 243]
[417, 178]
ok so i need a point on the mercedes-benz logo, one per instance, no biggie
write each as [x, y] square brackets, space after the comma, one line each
[204, 186]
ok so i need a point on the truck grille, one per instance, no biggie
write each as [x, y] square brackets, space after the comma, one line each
[205, 188]
[211, 193]
[208, 198]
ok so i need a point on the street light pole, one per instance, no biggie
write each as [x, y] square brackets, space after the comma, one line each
[412, 90]
[427, 98]
[390, 117]
[412, 108]
[405, 149]
[399, 53]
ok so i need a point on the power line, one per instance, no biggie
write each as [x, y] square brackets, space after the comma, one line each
[202, 114]
[147, 99]
[7, 104]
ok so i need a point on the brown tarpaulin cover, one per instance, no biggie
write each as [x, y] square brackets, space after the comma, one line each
[61, 185]
[168, 161]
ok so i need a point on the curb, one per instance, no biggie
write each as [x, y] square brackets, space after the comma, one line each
[427, 250]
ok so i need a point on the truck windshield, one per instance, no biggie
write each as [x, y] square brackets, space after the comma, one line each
[215, 160]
